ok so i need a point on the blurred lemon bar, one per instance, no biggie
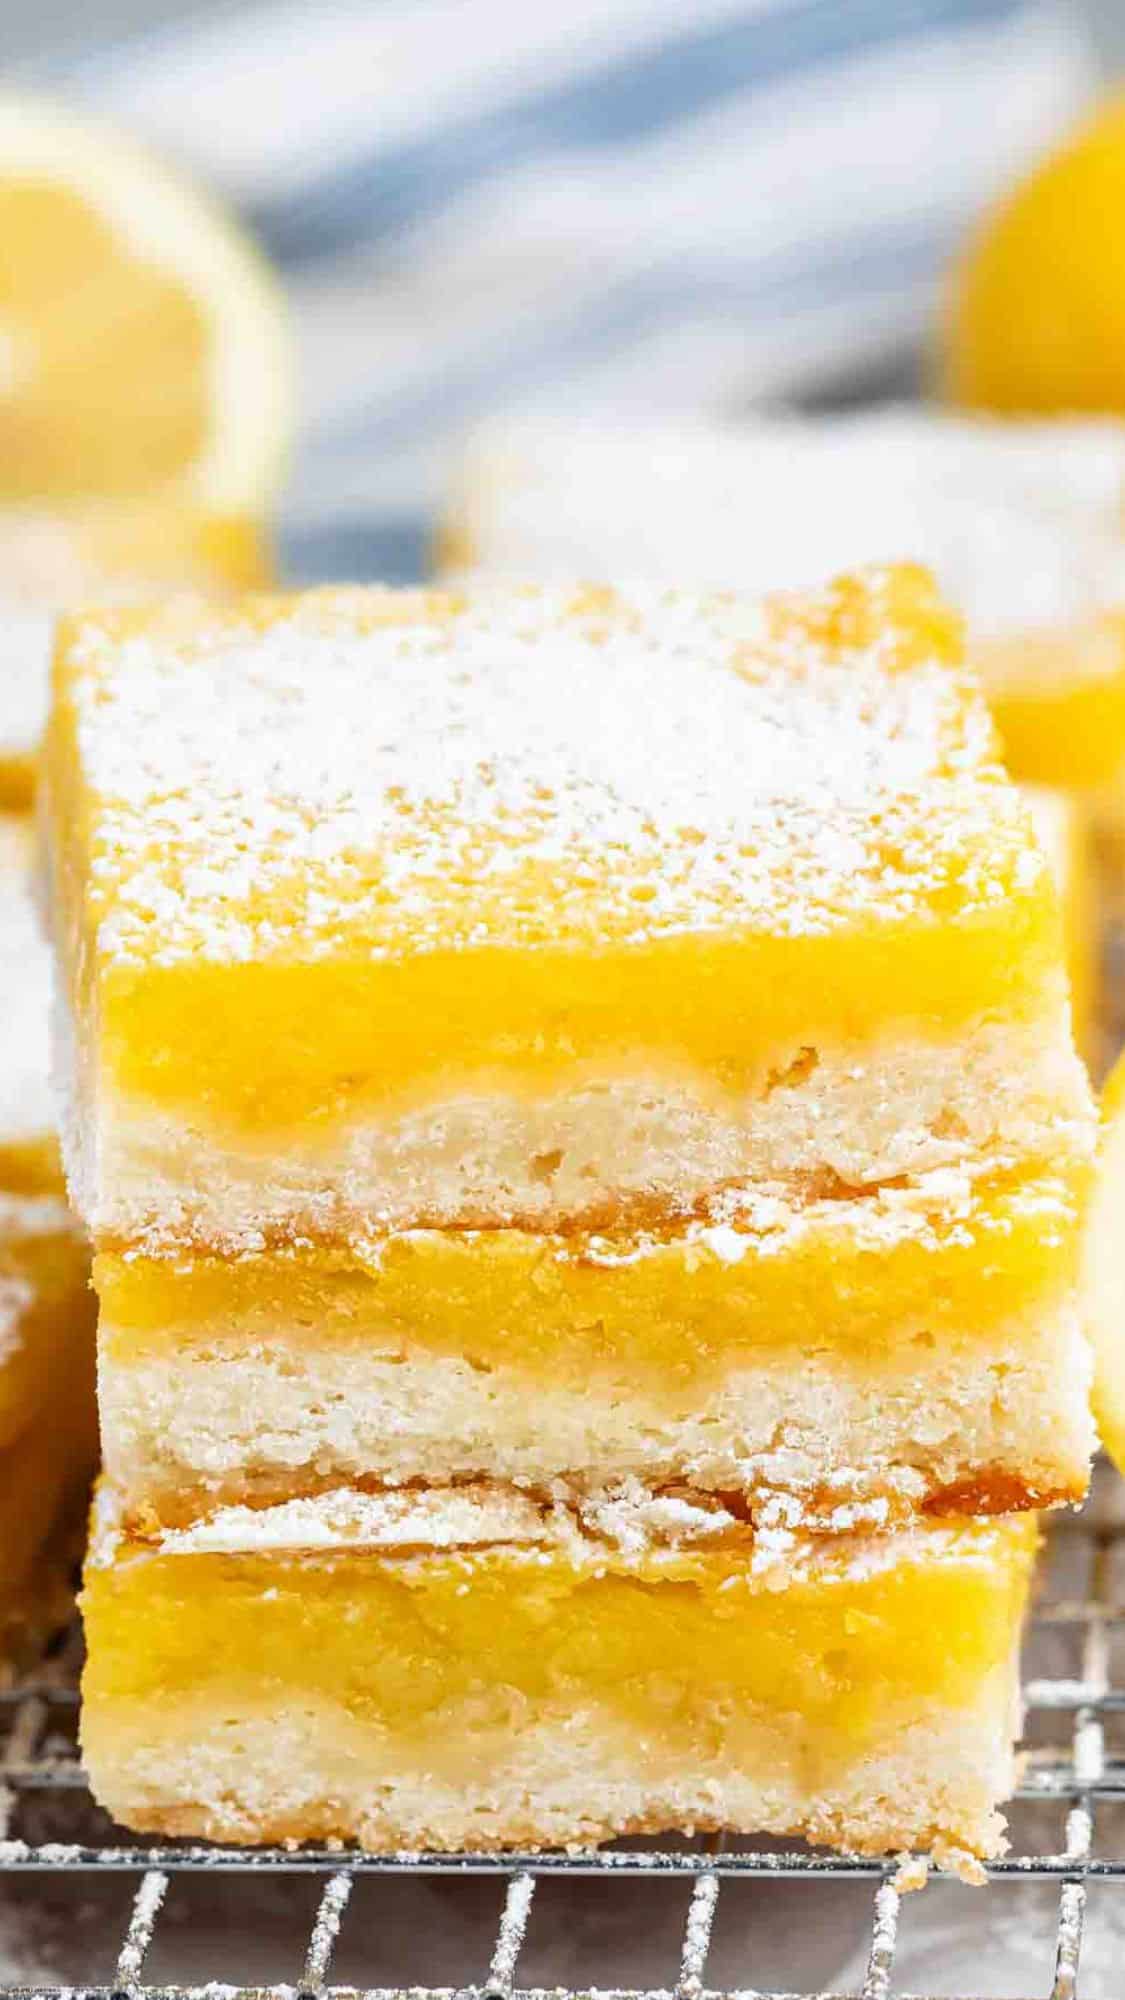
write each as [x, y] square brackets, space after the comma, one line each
[1024, 525]
[473, 1669]
[48, 1428]
[518, 906]
[102, 551]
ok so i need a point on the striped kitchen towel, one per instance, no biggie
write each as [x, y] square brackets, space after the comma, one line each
[482, 205]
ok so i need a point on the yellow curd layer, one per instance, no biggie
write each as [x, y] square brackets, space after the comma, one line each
[319, 854]
[413, 1643]
[670, 1307]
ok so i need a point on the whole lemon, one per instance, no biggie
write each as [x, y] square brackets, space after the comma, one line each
[1036, 317]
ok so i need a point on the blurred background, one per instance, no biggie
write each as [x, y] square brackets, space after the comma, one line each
[481, 206]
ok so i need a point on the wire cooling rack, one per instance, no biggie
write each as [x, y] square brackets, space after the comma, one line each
[168, 1920]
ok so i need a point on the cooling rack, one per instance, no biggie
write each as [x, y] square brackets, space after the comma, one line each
[1068, 1826]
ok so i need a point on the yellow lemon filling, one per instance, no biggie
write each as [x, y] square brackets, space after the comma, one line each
[668, 1641]
[673, 1308]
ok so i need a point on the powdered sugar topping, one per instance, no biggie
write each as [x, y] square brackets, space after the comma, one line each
[405, 773]
[620, 1528]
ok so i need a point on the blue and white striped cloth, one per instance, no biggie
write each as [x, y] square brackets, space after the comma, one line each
[490, 204]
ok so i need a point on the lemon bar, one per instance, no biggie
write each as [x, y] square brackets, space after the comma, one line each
[528, 907]
[469, 1669]
[103, 552]
[48, 1427]
[1024, 525]
[908, 1349]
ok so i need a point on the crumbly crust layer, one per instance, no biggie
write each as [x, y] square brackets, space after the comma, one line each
[988, 1424]
[302, 1772]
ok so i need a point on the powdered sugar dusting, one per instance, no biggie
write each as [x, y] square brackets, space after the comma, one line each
[633, 1517]
[435, 1517]
[945, 1208]
[623, 1527]
[405, 772]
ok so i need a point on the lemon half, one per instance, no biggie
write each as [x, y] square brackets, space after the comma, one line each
[143, 340]
[1036, 320]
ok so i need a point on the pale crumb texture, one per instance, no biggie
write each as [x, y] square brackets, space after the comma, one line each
[27, 1113]
[991, 1423]
[394, 772]
[1024, 524]
[306, 1771]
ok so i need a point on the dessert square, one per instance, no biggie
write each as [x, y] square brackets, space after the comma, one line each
[472, 1670]
[101, 552]
[533, 907]
[906, 1349]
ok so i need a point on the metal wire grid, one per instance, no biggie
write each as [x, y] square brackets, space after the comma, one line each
[1067, 1762]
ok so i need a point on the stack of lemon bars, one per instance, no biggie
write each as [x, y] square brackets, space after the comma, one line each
[573, 1095]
